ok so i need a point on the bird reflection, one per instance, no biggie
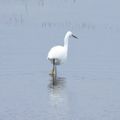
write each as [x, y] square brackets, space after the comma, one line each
[56, 89]
[58, 98]
[56, 81]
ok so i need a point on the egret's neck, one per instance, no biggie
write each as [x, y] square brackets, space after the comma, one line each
[66, 42]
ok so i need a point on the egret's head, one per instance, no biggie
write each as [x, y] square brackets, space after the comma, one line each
[70, 34]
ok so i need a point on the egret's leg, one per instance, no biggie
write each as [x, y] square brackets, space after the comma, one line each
[53, 71]
[54, 68]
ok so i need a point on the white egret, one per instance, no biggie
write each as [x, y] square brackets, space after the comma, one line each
[58, 54]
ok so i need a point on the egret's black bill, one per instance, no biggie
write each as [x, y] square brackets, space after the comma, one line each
[75, 36]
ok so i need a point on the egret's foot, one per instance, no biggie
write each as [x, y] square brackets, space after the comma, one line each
[52, 72]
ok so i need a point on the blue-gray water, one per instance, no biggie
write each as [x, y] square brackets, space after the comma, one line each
[88, 84]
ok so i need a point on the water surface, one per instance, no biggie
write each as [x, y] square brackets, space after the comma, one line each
[87, 86]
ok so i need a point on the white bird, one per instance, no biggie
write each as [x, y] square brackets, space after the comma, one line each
[58, 54]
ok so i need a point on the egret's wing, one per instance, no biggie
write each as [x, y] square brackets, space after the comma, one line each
[56, 52]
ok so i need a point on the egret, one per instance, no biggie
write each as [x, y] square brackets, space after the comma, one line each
[58, 54]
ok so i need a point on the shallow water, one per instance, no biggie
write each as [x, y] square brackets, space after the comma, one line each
[87, 85]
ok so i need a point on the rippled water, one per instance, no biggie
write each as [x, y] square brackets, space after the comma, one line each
[87, 85]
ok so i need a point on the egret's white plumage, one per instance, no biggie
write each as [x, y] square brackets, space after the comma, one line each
[58, 54]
